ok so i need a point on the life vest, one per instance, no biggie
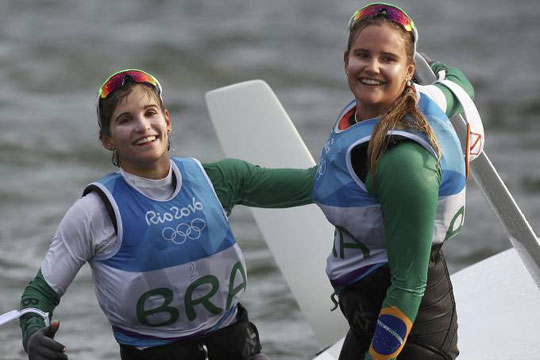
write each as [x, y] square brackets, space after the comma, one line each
[359, 239]
[177, 271]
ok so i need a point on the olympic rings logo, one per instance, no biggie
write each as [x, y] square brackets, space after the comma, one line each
[184, 231]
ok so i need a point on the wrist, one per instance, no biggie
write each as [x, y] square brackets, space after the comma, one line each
[30, 323]
[26, 337]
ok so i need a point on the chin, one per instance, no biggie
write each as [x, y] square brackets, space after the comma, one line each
[369, 103]
[367, 97]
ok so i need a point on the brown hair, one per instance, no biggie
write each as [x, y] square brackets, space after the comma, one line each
[106, 107]
[404, 112]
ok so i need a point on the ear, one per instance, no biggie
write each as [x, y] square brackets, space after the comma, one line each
[346, 62]
[410, 70]
[167, 120]
[106, 141]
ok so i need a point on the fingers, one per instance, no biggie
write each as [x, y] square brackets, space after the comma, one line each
[42, 346]
[47, 343]
[49, 354]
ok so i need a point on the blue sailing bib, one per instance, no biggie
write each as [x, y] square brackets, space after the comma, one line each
[177, 271]
[359, 241]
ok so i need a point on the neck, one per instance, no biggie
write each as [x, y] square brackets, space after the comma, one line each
[362, 114]
[156, 171]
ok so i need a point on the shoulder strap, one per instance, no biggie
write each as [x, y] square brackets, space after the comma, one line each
[93, 188]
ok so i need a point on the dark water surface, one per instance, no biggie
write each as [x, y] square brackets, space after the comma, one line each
[54, 54]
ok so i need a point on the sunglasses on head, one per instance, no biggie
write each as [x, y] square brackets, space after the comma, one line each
[120, 78]
[391, 12]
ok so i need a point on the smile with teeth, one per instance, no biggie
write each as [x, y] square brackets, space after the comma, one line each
[145, 140]
[371, 82]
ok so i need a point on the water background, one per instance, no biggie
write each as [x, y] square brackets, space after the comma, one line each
[54, 54]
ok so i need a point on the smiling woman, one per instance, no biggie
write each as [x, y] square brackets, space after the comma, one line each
[392, 181]
[378, 68]
[168, 272]
[138, 132]
[134, 124]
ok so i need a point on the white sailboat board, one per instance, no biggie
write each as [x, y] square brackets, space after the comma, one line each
[252, 125]
[495, 297]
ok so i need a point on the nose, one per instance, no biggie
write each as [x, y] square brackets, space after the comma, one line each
[373, 65]
[143, 124]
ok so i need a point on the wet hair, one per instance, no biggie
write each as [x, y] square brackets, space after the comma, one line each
[106, 107]
[404, 112]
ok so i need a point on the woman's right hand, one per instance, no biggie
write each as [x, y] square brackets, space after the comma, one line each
[42, 346]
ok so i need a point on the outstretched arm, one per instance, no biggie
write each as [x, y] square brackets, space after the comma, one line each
[238, 182]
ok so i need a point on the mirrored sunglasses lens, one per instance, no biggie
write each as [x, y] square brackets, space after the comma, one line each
[390, 12]
[113, 83]
[117, 81]
[141, 77]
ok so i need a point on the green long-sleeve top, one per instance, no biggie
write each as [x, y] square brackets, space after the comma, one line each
[408, 222]
[236, 182]
[409, 215]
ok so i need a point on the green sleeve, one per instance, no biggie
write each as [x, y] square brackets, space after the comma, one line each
[406, 184]
[38, 294]
[239, 182]
[455, 75]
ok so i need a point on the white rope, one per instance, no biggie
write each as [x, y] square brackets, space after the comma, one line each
[15, 314]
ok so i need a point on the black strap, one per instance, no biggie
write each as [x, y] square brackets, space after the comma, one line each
[359, 155]
[93, 188]
[107, 202]
[239, 341]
